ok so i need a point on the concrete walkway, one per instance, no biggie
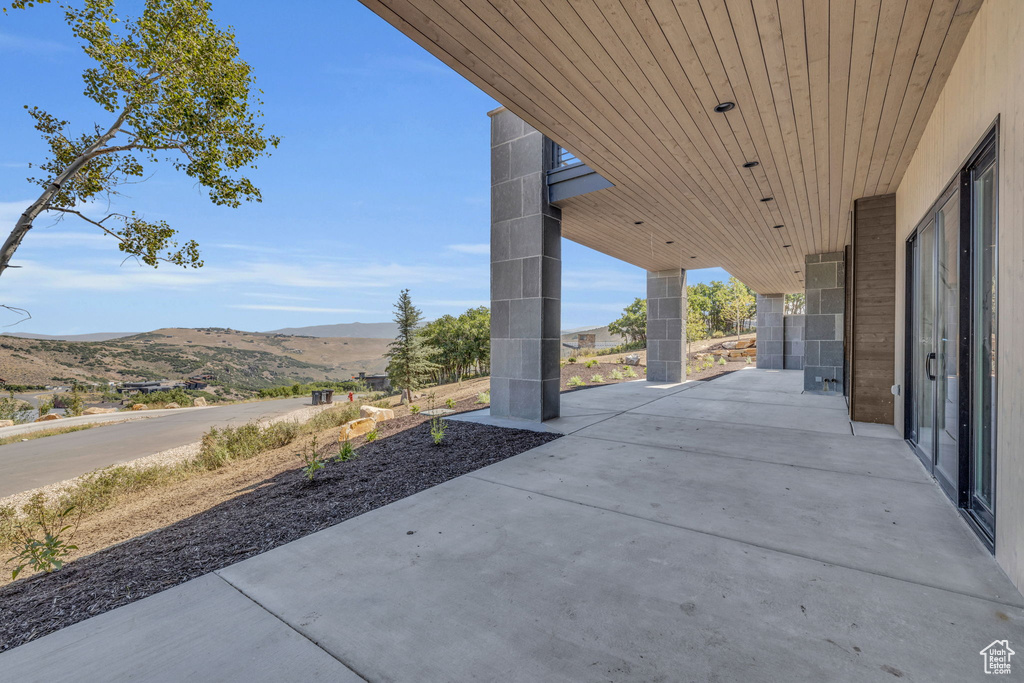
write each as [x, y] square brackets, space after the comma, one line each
[733, 530]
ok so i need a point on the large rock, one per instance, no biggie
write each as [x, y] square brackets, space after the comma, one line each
[199, 401]
[355, 428]
[376, 414]
[633, 359]
[6, 423]
[48, 417]
[172, 404]
[750, 352]
[98, 411]
[731, 345]
[745, 344]
[140, 406]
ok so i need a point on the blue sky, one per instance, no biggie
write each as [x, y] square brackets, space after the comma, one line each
[381, 182]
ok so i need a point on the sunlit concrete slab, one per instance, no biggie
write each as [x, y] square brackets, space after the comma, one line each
[712, 391]
[868, 522]
[748, 413]
[203, 630]
[504, 584]
[838, 452]
[757, 379]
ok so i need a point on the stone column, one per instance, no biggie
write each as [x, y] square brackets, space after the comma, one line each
[666, 325]
[825, 289]
[770, 331]
[526, 273]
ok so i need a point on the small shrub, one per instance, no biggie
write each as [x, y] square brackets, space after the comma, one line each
[346, 452]
[15, 409]
[414, 409]
[46, 554]
[630, 372]
[570, 359]
[592, 363]
[372, 435]
[576, 381]
[620, 360]
[717, 334]
[597, 379]
[484, 397]
[314, 462]
[749, 362]
[45, 406]
[73, 405]
[615, 374]
[688, 369]
[438, 426]
[721, 361]
[450, 403]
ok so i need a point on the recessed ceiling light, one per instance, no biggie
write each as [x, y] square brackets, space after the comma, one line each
[751, 164]
[693, 257]
[796, 271]
[723, 107]
[786, 246]
[767, 199]
[670, 242]
[638, 222]
[777, 227]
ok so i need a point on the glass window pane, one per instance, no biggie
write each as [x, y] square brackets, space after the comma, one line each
[984, 311]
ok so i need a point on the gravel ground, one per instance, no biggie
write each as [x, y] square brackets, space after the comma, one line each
[282, 508]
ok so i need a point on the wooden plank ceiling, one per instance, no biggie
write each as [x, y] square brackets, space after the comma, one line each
[831, 97]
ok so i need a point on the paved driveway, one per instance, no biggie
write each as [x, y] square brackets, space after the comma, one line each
[667, 538]
[30, 464]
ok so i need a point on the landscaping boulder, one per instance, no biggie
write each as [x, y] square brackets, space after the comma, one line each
[356, 428]
[731, 345]
[140, 406]
[48, 417]
[376, 414]
[633, 359]
[750, 352]
[745, 344]
[6, 423]
[199, 401]
[98, 411]
[172, 404]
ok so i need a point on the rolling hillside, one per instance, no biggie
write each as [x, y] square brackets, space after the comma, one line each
[237, 360]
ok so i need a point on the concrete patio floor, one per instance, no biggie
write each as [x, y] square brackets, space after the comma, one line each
[733, 530]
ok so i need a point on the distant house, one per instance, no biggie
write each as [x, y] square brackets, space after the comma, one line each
[375, 382]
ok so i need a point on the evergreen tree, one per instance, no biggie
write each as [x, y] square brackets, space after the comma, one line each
[408, 365]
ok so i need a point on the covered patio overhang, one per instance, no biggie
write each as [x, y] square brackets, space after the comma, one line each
[830, 100]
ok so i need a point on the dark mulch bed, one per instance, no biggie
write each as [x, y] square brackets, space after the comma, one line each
[402, 462]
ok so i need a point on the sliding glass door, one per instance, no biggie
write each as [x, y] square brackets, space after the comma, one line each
[951, 339]
[935, 369]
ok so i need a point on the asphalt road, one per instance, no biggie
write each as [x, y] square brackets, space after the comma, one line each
[31, 464]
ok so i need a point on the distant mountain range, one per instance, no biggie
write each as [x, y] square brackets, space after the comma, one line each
[350, 330]
[387, 330]
[94, 337]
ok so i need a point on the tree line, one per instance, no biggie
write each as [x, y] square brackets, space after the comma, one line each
[443, 350]
[713, 309]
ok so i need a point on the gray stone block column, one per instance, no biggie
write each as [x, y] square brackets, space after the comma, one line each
[526, 273]
[825, 290]
[770, 331]
[666, 328]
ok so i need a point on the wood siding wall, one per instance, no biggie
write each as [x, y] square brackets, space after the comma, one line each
[986, 83]
[873, 312]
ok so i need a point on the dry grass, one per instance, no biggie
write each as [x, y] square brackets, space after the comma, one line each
[28, 436]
